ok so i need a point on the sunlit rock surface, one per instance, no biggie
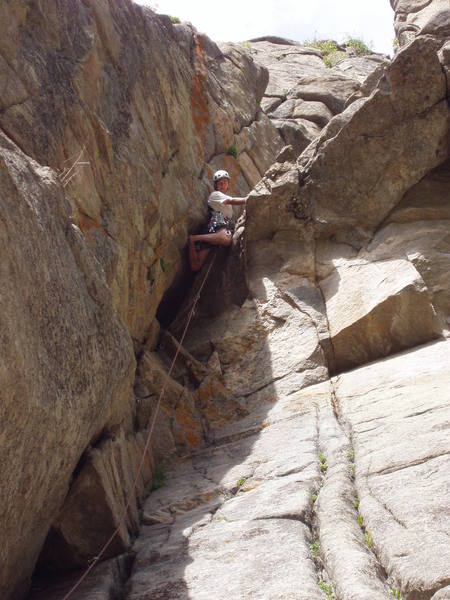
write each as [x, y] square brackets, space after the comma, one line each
[300, 450]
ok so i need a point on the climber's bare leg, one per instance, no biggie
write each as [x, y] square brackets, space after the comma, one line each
[220, 238]
[197, 257]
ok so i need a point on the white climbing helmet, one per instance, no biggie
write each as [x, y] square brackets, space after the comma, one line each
[220, 175]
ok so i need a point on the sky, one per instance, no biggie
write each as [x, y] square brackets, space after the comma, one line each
[239, 20]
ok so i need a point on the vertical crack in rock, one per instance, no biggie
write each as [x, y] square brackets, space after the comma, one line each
[346, 548]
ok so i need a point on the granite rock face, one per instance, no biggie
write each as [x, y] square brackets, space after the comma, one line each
[338, 482]
[420, 17]
[67, 361]
[367, 157]
[301, 445]
[303, 94]
[151, 109]
[112, 121]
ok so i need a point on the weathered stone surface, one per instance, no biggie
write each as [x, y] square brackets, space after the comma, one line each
[426, 244]
[285, 63]
[262, 485]
[155, 109]
[443, 594]
[363, 68]
[299, 133]
[315, 112]
[444, 57]
[398, 160]
[303, 94]
[375, 309]
[352, 566]
[398, 413]
[273, 500]
[266, 347]
[363, 162]
[132, 114]
[427, 200]
[287, 470]
[331, 88]
[96, 503]
[67, 362]
[414, 18]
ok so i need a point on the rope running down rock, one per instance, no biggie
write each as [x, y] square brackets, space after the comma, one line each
[147, 443]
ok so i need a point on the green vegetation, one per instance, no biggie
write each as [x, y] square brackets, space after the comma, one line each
[368, 539]
[220, 517]
[175, 20]
[233, 151]
[326, 588]
[314, 498]
[359, 47]
[158, 478]
[356, 503]
[162, 264]
[396, 594]
[314, 547]
[323, 463]
[329, 49]
[351, 455]
[241, 482]
[247, 45]
[325, 46]
[360, 521]
[332, 52]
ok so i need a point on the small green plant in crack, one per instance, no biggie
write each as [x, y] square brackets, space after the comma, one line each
[351, 455]
[158, 478]
[326, 588]
[220, 517]
[240, 482]
[359, 47]
[175, 20]
[360, 521]
[323, 463]
[368, 539]
[356, 504]
[233, 151]
[396, 594]
[314, 547]
[314, 498]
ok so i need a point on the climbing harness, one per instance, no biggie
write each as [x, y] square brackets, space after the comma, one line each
[149, 436]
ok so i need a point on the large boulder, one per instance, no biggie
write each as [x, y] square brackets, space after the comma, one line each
[350, 178]
[419, 17]
[375, 309]
[303, 93]
[67, 365]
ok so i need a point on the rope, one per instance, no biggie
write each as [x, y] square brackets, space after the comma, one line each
[147, 443]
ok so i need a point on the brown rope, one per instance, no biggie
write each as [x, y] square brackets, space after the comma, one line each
[147, 443]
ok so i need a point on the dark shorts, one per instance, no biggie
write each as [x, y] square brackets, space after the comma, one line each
[217, 221]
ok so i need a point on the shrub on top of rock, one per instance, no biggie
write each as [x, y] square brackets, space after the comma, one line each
[332, 52]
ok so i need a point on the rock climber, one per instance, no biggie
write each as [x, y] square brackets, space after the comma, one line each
[220, 227]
